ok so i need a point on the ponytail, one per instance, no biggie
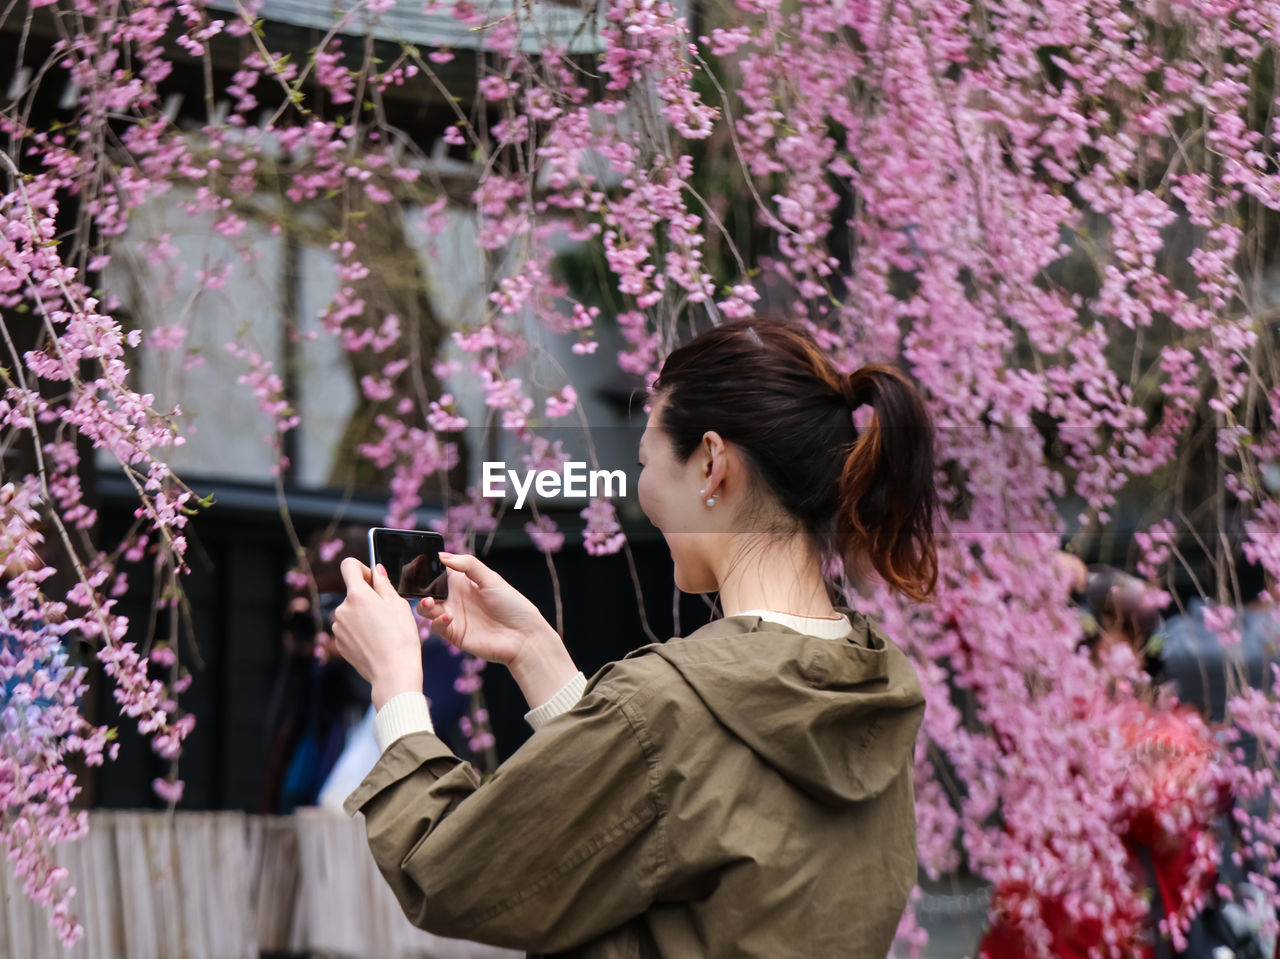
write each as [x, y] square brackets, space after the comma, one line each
[887, 498]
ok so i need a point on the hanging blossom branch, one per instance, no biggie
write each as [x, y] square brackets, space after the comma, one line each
[42, 725]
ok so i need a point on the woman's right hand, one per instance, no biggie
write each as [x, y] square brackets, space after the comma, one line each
[488, 617]
[484, 615]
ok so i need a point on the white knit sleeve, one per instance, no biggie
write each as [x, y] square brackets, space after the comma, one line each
[561, 702]
[399, 716]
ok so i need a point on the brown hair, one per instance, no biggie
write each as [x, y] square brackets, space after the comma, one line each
[766, 386]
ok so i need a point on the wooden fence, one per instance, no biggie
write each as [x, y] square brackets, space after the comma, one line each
[224, 885]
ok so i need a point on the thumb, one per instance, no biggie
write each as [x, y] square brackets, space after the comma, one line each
[382, 583]
[353, 574]
[472, 568]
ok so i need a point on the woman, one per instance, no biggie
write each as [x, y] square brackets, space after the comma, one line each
[742, 791]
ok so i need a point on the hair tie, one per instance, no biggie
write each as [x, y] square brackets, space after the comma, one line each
[853, 395]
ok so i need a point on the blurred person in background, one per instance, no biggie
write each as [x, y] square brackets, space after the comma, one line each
[1204, 671]
[35, 553]
[1121, 609]
[1207, 671]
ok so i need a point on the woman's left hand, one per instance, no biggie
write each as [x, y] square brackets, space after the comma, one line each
[374, 630]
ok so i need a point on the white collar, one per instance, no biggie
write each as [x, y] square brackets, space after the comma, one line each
[811, 625]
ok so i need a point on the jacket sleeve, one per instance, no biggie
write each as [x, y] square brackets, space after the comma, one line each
[563, 843]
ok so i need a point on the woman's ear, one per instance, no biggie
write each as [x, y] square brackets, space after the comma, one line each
[713, 446]
[713, 469]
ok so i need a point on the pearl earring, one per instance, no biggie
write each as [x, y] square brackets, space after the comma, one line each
[711, 501]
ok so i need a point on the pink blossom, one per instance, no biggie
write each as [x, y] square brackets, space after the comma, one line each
[602, 534]
[167, 337]
[545, 535]
[163, 656]
[562, 402]
[170, 792]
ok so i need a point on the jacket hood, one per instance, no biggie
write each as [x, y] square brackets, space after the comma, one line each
[836, 717]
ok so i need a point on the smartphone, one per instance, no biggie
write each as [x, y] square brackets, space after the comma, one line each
[412, 560]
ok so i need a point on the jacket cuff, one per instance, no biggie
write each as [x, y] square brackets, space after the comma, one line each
[399, 716]
[561, 702]
[402, 759]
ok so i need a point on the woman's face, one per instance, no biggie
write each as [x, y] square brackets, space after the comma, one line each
[668, 493]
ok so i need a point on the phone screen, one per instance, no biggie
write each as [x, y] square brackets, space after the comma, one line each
[412, 561]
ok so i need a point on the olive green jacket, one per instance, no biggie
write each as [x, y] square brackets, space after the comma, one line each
[745, 791]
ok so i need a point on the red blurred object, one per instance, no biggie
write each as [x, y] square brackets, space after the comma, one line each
[1174, 753]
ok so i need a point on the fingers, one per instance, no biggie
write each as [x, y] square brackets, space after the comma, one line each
[430, 607]
[433, 609]
[471, 567]
[441, 621]
[355, 574]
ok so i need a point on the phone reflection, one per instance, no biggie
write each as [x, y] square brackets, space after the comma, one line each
[423, 576]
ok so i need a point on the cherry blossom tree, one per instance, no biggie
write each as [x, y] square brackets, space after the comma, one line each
[1058, 217]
